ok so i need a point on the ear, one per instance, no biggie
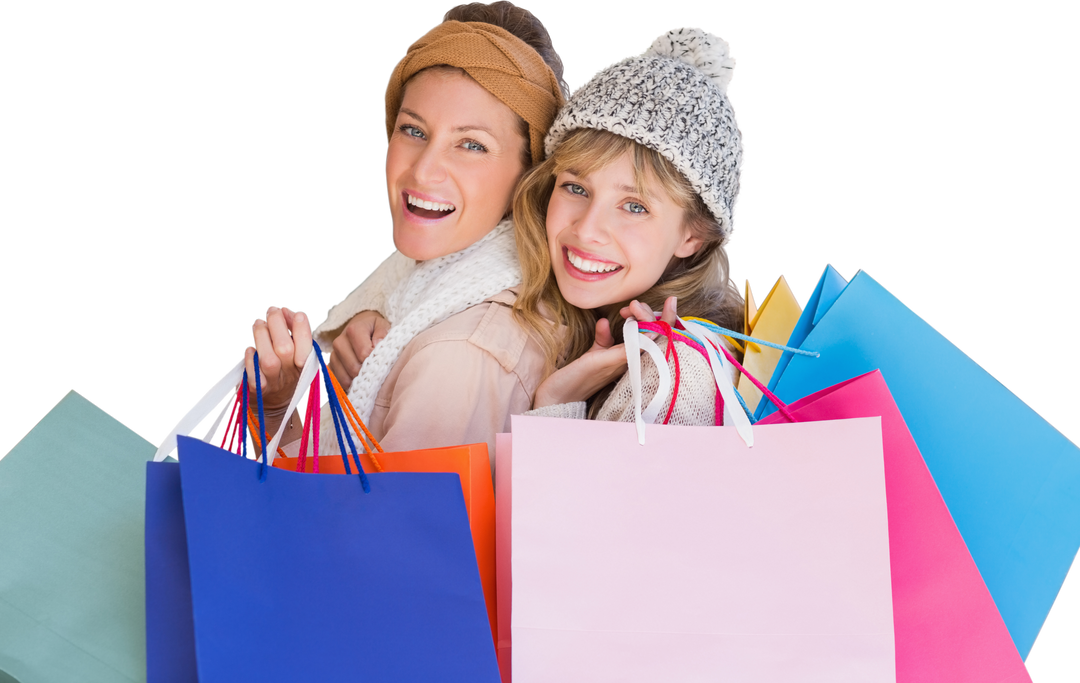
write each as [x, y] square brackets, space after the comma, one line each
[689, 246]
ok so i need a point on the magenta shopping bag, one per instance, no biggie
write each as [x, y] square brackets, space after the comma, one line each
[948, 629]
[696, 557]
[503, 582]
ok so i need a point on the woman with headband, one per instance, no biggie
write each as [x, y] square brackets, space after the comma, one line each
[466, 114]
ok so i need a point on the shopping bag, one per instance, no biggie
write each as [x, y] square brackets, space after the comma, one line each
[948, 629]
[369, 576]
[654, 552]
[305, 577]
[71, 556]
[828, 288]
[773, 321]
[694, 557]
[503, 465]
[170, 630]
[1010, 480]
[470, 462]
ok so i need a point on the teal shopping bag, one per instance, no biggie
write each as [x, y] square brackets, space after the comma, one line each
[71, 550]
[1011, 481]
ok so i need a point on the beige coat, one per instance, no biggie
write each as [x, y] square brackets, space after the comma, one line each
[459, 381]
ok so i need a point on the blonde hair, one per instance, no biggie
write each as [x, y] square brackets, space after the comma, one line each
[699, 281]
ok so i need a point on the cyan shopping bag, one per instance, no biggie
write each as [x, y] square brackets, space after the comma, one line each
[1010, 480]
[71, 550]
[829, 286]
[305, 577]
[948, 629]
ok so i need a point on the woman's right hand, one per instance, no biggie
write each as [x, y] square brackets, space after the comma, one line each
[355, 344]
[283, 341]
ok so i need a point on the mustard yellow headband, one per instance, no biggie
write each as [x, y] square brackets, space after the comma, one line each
[499, 61]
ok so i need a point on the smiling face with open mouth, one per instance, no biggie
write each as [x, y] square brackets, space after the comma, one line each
[452, 163]
[608, 241]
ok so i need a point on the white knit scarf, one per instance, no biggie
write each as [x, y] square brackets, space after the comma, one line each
[420, 294]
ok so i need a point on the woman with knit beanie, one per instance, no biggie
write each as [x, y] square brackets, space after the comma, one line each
[467, 109]
[631, 212]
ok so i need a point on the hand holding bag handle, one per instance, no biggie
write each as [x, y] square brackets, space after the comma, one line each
[224, 387]
[635, 343]
[707, 333]
[336, 411]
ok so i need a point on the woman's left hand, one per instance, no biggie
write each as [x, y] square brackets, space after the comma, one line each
[643, 314]
[601, 364]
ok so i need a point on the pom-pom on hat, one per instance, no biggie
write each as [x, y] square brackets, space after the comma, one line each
[673, 99]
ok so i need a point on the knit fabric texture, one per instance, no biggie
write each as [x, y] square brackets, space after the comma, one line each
[499, 61]
[423, 295]
[672, 99]
[371, 295]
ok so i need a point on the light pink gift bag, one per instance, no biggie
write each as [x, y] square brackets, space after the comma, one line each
[694, 557]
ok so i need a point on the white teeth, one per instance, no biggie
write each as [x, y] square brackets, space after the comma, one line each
[430, 206]
[590, 266]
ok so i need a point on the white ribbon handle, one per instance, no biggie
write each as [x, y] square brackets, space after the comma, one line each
[634, 344]
[225, 386]
[733, 414]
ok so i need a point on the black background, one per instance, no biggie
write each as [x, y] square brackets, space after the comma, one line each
[176, 173]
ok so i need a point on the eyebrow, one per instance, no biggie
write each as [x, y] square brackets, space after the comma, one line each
[630, 189]
[459, 129]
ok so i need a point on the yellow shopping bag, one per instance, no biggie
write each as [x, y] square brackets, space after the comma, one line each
[772, 321]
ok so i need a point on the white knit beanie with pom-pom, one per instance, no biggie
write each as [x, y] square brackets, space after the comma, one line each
[673, 99]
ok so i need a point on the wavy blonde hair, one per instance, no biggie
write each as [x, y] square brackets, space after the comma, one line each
[699, 281]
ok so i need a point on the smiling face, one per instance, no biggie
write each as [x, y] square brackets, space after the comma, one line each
[452, 164]
[609, 242]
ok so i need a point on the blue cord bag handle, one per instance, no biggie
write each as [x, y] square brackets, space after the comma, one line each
[336, 412]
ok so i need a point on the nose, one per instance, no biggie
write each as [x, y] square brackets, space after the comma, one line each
[428, 167]
[591, 226]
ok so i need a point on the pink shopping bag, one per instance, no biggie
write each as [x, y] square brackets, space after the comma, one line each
[948, 629]
[503, 583]
[693, 556]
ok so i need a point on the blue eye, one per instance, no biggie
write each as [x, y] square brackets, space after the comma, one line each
[411, 131]
[634, 207]
[474, 146]
[574, 188]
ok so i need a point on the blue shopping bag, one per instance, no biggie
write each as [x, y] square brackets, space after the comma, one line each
[170, 631]
[303, 577]
[1010, 480]
[294, 576]
[825, 293]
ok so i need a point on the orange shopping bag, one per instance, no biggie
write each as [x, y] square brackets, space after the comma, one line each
[469, 462]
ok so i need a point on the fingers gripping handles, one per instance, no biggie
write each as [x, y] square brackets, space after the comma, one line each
[705, 337]
[237, 377]
[636, 343]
